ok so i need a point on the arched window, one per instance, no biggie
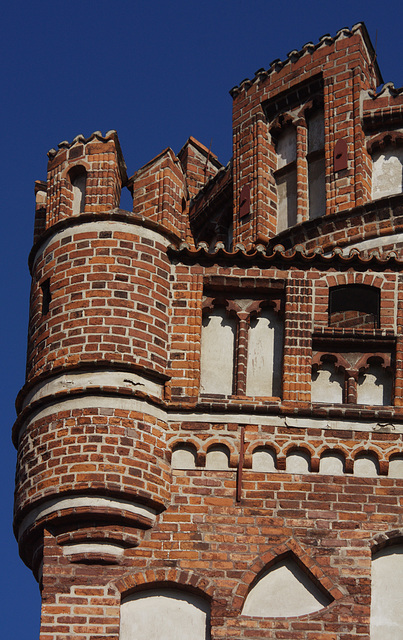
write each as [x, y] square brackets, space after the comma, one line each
[175, 613]
[354, 305]
[286, 178]
[78, 180]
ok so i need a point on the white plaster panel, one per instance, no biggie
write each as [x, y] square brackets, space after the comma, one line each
[93, 547]
[332, 464]
[366, 465]
[217, 353]
[387, 170]
[164, 614]
[286, 200]
[265, 343]
[387, 594]
[264, 459]
[374, 387]
[298, 462]
[110, 378]
[284, 590]
[286, 147]
[217, 458]
[56, 504]
[183, 457]
[327, 385]
[396, 467]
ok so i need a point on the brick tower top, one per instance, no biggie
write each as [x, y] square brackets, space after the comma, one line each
[210, 433]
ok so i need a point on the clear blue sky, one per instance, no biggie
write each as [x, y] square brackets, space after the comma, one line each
[157, 72]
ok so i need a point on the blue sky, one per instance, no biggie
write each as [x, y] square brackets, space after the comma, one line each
[157, 72]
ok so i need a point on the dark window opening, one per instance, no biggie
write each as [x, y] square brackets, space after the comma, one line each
[354, 307]
[46, 296]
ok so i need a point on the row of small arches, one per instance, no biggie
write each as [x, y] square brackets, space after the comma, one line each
[297, 460]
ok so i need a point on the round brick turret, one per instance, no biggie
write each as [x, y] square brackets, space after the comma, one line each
[92, 463]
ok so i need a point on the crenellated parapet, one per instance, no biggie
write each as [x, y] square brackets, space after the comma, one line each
[84, 176]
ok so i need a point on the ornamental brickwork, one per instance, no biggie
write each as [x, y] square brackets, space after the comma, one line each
[210, 433]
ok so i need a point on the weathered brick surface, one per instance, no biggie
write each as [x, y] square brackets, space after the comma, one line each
[114, 365]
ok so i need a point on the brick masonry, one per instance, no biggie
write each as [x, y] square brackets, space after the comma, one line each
[114, 364]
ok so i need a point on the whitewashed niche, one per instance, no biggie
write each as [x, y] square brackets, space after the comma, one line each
[375, 386]
[264, 459]
[366, 465]
[265, 349]
[183, 457]
[396, 466]
[327, 384]
[387, 594]
[298, 461]
[217, 457]
[217, 352]
[171, 614]
[332, 463]
[387, 172]
[284, 590]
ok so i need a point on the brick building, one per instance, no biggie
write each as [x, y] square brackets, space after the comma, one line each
[209, 437]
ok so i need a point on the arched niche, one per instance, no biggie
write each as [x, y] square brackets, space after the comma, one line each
[366, 465]
[327, 384]
[387, 171]
[332, 463]
[387, 593]
[164, 613]
[374, 386]
[217, 352]
[264, 459]
[183, 456]
[265, 347]
[78, 180]
[396, 466]
[298, 461]
[217, 457]
[284, 590]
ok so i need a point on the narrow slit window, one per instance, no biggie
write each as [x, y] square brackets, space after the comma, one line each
[78, 179]
[46, 296]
